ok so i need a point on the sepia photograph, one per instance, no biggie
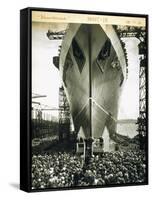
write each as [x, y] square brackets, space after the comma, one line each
[89, 125]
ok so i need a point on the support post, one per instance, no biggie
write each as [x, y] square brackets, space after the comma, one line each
[88, 149]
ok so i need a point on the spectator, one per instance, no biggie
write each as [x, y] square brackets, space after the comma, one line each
[66, 170]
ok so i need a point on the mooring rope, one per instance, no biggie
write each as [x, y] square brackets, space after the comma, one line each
[99, 106]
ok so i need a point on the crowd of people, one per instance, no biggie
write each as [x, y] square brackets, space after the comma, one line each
[67, 170]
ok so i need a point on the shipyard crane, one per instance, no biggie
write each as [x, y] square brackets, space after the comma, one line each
[37, 96]
[140, 34]
[55, 35]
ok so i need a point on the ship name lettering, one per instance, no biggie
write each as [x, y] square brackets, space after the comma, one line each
[98, 19]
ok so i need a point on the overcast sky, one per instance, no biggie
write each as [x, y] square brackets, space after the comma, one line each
[46, 80]
[129, 101]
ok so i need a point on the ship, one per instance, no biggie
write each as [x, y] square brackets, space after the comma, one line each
[93, 68]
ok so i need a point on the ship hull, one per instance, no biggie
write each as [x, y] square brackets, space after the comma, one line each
[92, 68]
